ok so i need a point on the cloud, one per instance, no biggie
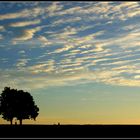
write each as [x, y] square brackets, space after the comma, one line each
[69, 11]
[137, 77]
[22, 62]
[69, 20]
[66, 33]
[65, 48]
[102, 10]
[92, 42]
[23, 13]
[47, 67]
[30, 80]
[131, 27]
[2, 28]
[37, 68]
[4, 60]
[72, 70]
[27, 34]
[123, 82]
[22, 52]
[72, 64]
[25, 23]
[98, 47]
[44, 41]
[54, 7]
[68, 36]
[33, 79]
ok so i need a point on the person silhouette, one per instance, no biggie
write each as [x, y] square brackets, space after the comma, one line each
[16, 122]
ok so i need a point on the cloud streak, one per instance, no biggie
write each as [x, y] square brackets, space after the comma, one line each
[60, 43]
[27, 34]
[25, 23]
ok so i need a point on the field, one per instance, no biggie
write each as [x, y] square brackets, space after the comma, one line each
[70, 131]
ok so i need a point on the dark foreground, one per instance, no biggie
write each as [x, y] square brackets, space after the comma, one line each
[70, 131]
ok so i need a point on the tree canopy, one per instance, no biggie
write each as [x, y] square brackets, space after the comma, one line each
[17, 104]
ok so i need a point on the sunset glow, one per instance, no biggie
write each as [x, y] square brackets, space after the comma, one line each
[79, 60]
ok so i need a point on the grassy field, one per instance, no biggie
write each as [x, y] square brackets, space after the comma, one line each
[70, 131]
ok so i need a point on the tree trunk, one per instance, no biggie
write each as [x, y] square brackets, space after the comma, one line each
[20, 121]
[11, 121]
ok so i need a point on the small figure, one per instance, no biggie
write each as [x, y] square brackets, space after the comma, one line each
[15, 122]
[58, 123]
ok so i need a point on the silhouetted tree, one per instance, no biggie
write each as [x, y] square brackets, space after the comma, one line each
[17, 103]
[6, 104]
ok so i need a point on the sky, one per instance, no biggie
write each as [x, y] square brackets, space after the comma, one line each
[79, 60]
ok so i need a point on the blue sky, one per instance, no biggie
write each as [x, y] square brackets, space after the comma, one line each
[73, 55]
